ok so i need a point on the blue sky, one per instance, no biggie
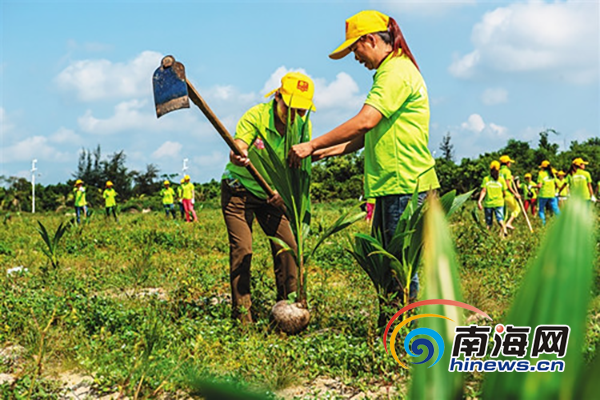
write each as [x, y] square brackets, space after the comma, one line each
[77, 74]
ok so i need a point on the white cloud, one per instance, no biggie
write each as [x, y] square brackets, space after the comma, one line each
[33, 147]
[5, 125]
[474, 123]
[66, 136]
[168, 150]
[425, 7]
[493, 96]
[558, 40]
[102, 79]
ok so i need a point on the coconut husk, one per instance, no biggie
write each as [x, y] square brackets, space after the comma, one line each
[291, 318]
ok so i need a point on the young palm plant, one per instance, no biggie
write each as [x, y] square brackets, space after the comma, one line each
[293, 185]
[51, 250]
[392, 268]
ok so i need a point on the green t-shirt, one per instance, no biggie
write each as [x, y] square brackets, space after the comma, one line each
[109, 197]
[528, 190]
[396, 152]
[578, 183]
[180, 192]
[565, 190]
[79, 194]
[260, 118]
[507, 175]
[548, 189]
[187, 190]
[495, 191]
[167, 195]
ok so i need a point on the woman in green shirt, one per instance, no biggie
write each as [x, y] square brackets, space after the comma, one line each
[580, 180]
[491, 198]
[562, 189]
[547, 190]
[392, 125]
[110, 201]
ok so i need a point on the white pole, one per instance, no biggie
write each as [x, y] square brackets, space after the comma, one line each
[185, 167]
[33, 169]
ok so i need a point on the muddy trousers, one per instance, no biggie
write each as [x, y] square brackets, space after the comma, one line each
[240, 207]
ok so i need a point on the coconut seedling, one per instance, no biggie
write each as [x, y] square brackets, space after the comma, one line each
[392, 267]
[293, 185]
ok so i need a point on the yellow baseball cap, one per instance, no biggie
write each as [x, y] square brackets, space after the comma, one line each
[357, 26]
[166, 183]
[495, 165]
[506, 159]
[528, 175]
[544, 164]
[561, 173]
[186, 178]
[78, 181]
[109, 183]
[297, 91]
[579, 161]
[182, 180]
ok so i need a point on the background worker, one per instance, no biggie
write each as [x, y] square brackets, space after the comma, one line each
[188, 195]
[180, 198]
[562, 188]
[580, 181]
[529, 190]
[80, 201]
[110, 201]
[392, 125]
[168, 196]
[491, 198]
[242, 198]
[512, 193]
[547, 190]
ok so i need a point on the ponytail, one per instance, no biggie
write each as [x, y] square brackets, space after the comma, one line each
[394, 37]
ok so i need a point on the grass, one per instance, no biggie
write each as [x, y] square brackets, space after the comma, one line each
[105, 321]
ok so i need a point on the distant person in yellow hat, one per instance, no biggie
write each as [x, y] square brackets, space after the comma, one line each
[562, 188]
[79, 200]
[188, 199]
[242, 198]
[168, 199]
[529, 190]
[491, 198]
[110, 201]
[512, 192]
[580, 181]
[547, 190]
[392, 125]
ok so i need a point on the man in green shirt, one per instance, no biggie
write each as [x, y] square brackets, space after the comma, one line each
[168, 197]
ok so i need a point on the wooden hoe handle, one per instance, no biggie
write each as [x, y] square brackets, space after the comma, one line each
[203, 106]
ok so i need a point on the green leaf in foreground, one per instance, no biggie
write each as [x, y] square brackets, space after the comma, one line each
[441, 279]
[555, 290]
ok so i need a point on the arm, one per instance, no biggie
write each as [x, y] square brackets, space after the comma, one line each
[340, 149]
[481, 196]
[356, 127]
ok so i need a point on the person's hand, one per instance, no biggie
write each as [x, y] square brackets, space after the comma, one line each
[479, 205]
[518, 195]
[276, 201]
[317, 155]
[240, 161]
[593, 199]
[298, 153]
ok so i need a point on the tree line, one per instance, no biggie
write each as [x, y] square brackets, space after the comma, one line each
[338, 178]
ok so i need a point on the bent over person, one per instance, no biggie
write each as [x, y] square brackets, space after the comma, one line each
[242, 198]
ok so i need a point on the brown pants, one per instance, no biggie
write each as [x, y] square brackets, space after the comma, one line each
[239, 208]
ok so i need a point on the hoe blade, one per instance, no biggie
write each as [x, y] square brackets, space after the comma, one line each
[170, 87]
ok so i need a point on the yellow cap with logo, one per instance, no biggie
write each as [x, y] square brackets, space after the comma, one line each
[357, 26]
[297, 91]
